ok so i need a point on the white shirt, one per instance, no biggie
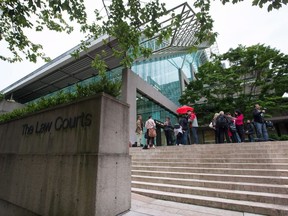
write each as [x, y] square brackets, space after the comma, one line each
[150, 123]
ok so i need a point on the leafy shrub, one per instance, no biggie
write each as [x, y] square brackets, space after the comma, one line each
[276, 137]
[103, 85]
[284, 137]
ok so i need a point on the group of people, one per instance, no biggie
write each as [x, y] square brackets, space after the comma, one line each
[226, 126]
[180, 131]
[232, 128]
[186, 123]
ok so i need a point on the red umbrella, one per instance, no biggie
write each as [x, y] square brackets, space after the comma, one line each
[184, 109]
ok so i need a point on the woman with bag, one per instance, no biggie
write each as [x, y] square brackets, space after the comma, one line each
[151, 132]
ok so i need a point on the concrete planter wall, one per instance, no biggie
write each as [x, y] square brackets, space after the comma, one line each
[8, 106]
[69, 160]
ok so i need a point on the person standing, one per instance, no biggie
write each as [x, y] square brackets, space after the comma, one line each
[192, 119]
[150, 126]
[239, 122]
[178, 134]
[259, 123]
[183, 122]
[232, 129]
[139, 129]
[213, 126]
[250, 131]
[222, 128]
[168, 129]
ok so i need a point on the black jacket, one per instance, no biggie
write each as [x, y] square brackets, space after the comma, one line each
[250, 128]
[258, 116]
[184, 123]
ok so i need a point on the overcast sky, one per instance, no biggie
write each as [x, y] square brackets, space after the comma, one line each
[236, 24]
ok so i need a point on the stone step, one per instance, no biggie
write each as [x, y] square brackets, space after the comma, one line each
[271, 198]
[213, 165]
[236, 205]
[192, 150]
[223, 146]
[268, 146]
[213, 160]
[246, 177]
[212, 155]
[230, 171]
[240, 186]
[215, 177]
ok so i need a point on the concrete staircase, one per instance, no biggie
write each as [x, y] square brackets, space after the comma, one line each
[246, 177]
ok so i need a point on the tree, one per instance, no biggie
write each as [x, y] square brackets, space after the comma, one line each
[20, 16]
[17, 17]
[125, 22]
[256, 74]
[129, 23]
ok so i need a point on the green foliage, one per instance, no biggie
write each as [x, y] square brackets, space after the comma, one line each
[13, 115]
[256, 74]
[103, 85]
[283, 137]
[127, 22]
[18, 17]
[276, 137]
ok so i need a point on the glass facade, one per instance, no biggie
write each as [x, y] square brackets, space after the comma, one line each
[147, 107]
[162, 73]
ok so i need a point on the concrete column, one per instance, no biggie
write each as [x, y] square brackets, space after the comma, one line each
[183, 80]
[192, 71]
[129, 92]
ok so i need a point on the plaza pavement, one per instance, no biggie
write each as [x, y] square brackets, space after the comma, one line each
[146, 206]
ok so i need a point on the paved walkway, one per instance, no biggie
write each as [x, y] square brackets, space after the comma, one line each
[146, 206]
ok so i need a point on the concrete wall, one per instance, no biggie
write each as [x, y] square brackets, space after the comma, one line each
[66, 161]
[8, 106]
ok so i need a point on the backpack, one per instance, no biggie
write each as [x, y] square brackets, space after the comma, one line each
[269, 124]
[221, 121]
